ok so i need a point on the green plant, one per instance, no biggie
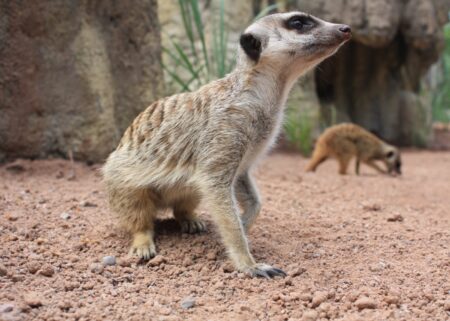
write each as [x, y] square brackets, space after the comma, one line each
[194, 62]
[441, 101]
[299, 130]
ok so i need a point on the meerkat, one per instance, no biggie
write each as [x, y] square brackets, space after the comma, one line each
[203, 145]
[345, 141]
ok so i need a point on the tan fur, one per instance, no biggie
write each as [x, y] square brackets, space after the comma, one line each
[203, 145]
[346, 141]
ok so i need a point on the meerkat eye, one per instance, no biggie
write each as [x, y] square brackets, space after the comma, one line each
[299, 22]
[390, 154]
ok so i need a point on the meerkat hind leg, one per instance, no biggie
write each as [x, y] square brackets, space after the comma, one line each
[184, 212]
[136, 210]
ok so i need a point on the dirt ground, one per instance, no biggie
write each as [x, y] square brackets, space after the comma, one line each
[355, 248]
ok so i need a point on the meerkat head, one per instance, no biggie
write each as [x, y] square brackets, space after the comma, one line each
[392, 160]
[292, 42]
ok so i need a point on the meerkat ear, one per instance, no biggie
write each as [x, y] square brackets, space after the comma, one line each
[251, 45]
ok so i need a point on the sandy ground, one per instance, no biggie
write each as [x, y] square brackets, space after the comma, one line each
[355, 248]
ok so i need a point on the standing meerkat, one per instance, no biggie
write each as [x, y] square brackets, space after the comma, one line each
[204, 144]
[345, 141]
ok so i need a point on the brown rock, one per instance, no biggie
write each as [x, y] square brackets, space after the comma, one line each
[390, 299]
[310, 315]
[365, 303]
[32, 299]
[157, 260]
[395, 218]
[3, 270]
[47, 270]
[33, 267]
[318, 298]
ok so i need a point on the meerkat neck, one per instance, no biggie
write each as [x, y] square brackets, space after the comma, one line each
[270, 85]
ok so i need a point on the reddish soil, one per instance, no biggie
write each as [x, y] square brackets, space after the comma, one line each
[355, 248]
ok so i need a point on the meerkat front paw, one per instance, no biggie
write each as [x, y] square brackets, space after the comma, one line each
[192, 226]
[264, 270]
[143, 246]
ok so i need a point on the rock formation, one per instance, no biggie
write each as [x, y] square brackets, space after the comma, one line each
[74, 74]
[378, 79]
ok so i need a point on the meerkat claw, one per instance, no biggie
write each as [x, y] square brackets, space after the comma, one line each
[192, 227]
[144, 253]
[266, 271]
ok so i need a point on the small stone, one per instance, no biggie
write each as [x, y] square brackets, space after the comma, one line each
[288, 281]
[157, 260]
[3, 270]
[318, 298]
[297, 272]
[109, 260]
[125, 262]
[310, 315]
[65, 216]
[391, 299]
[33, 267]
[11, 217]
[188, 303]
[96, 268]
[212, 256]
[395, 218]
[17, 278]
[88, 204]
[70, 286]
[65, 305]
[372, 207]
[32, 299]
[6, 308]
[47, 270]
[187, 261]
[365, 303]
[305, 297]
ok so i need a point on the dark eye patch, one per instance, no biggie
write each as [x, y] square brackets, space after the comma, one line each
[300, 23]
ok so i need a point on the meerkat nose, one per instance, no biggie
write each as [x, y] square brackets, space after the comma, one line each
[345, 29]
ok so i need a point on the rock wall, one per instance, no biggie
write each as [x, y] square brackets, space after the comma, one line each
[74, 74]
[379, 80]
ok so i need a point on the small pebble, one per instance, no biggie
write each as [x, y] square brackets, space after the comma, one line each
[109, 260]
[188, 303]
[65, 216]
[297, 272]
[32, 299]
[96, 268]
[47, 270]
[12, 217]
[3, 270]
[88, 204]
[33, 267]
[6, 308]
[310, 315]
[395, 218]
[157, 260]
[390, 299]
[365, 303]
[318, 298]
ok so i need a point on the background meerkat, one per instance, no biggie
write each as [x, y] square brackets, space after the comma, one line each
[203, 145]
[345, 141]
